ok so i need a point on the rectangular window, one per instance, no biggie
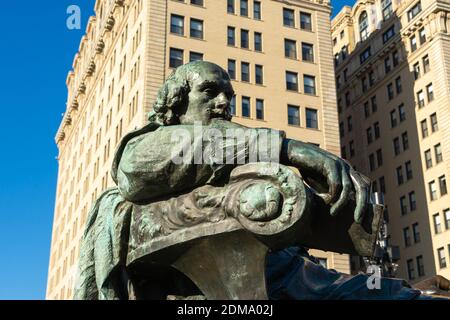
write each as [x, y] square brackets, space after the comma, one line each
[257, 10]
[428, 159]
[233, 105]
[177, 24]
[305, 21]
[447, 218]
[232, 69]
[288, 18]
[406, 237]
[293, 115]
[430, 92]
[434, 122]
[438, 153]
[195, 56]
[426, 64]
[369, 135]
[387, 65]
[197, 2]
[231, 36]
[388, 34]
[441, 257]
[411, 272]
[244, 8]
[405, 141]
[379, 157]
[390, 91]
[413, 43]
[352, 148]
[176, 58]
[290, 49]
[230, 6]
[416, 71]
[402, 112]
[341, 129]
[364, 55]
[443, 185]
[311, 119]
[371, 162]
[366, 109]
[414, 11]
[246, 107]
[309, 83]
[420, 266]
[400, 179]
[307, 52]
[347, 99]
[412, 201]
[422, 36]
[376, 130]
[196, 30]
[259, 109]
[437, 223]
[259, 74]
[398, 85]
[416, 232]
[420, 98]
[403, 206]
[424, 127]
[350, 123]
[395, 58]
[396, 143]
[245, 72]
[244, 39]
[409, 171]
[393, 118]
[291, 81]
[258, 41]
[433, 190]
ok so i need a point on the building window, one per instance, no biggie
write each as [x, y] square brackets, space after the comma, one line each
[196, 29]
[290, 49]
[390, 91]
[341, 129]
[371, 78]
[197, 2]
[288, 18]
[416, 71]
[369, 135]
[438, 153]
[177, 24]
[259, 74]
[400, 179]
[409, 172]
[388, 34]
[259, 109]
[244, 8]
[420, 266]
[386, 6]
[420, 98]
[424, 127]
[447, 218]
[364, 84]
[443, 185]
[366, 109]
[363, 26]
[398, 85]
[244, 39]
[311, 119]
[430, 93]
[309, 84]
[372, 162]
[291, 81]
[422, 36]
[387, 65]
[406, 237]
[416, 232]
[350, 123]
[305, 21]
[232, 69]
[376, 129]
[402, 112]
[195, 56]
[434, 122]
[396, 142]
[231, 36]
[393, 118]
[245, 72]
[412, 201]
[364, 55]
[442, 259]
[230, 6]
[395, 58]
[258, 41]
[347, 99]
[433, 190]
[410, 265]
[413, 43]
[257, 10]
[307, 52]
[233, 105]
[176, 58]
[293, 115]
[428, 159]
[414, 11]
[352, 148]
[405, 141]
[426, 64]
[403, 206]
[246, 107]
[379, 157]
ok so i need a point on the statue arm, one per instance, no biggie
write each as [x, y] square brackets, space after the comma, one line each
[332, 177]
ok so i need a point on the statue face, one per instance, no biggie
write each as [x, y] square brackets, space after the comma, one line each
[209, 97]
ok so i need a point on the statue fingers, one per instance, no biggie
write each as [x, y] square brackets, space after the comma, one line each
[362, 188]
[347, 187]
[334, 180]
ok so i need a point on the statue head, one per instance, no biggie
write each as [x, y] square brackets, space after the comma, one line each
[195, 92]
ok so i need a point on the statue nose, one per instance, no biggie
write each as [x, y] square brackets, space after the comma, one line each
[222, 101]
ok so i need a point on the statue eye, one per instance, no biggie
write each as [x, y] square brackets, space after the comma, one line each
[209, 91]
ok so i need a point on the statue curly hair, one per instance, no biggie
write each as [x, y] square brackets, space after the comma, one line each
[172, 98]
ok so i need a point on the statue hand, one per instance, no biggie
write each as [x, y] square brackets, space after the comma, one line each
[332, 177]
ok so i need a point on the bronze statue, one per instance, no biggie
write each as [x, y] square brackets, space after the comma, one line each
[186, 188]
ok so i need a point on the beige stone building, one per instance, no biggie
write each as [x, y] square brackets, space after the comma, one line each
[278, 53]
[392, 73]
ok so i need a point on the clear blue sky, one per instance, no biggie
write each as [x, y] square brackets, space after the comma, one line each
[36, 53]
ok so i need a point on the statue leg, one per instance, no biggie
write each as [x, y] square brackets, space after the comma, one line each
[229, 266]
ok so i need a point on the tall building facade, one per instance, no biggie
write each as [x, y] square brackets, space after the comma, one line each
[392, 62]
[278, 54]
